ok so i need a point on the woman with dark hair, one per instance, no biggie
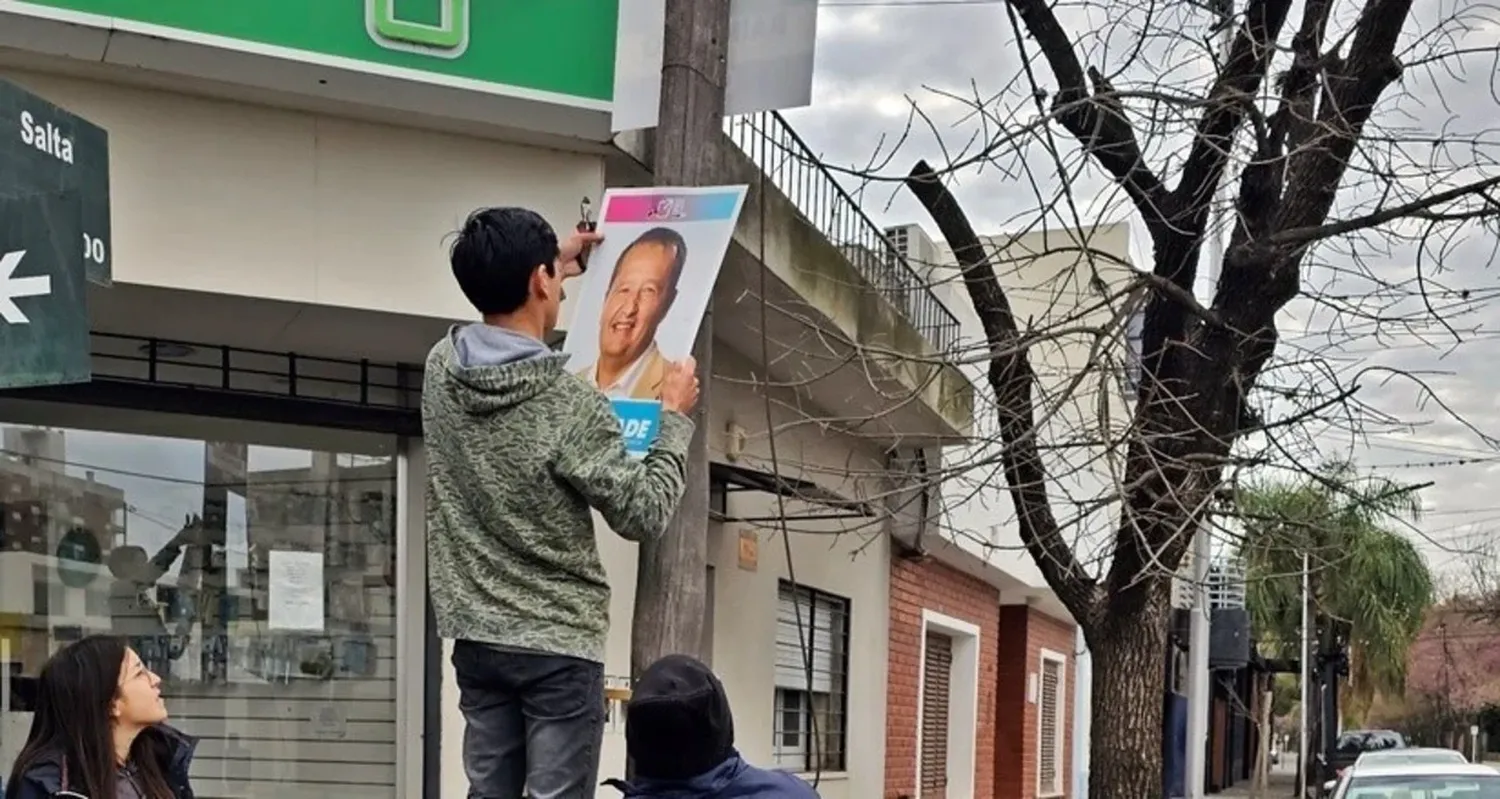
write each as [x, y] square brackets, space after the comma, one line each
[98, 730]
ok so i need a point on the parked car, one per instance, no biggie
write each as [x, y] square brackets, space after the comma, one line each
[1419, 781]
[1412, 755]
[1348, 748]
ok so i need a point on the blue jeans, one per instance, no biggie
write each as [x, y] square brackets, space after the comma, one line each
[533, 722]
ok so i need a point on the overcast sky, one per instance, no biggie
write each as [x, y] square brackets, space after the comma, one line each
[873, 57]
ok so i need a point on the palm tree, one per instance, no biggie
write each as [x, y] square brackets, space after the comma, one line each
[1362, 572]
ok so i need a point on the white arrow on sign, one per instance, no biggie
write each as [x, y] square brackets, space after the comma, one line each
[12, 287]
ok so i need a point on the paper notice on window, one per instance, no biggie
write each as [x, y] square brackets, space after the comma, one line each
[296, 591]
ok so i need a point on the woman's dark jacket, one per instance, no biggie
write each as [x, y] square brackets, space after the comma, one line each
[45, 777]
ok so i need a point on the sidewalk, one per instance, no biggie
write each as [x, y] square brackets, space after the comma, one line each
[1283, 785]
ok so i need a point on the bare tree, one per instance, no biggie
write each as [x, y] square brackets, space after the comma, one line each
[1302, 82]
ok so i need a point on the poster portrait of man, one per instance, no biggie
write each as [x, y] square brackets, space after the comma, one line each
[641, 290]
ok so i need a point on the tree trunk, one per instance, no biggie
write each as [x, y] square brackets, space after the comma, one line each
[1129, 658]
[1263, 739]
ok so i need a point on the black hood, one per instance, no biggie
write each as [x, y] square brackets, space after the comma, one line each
[678, 724]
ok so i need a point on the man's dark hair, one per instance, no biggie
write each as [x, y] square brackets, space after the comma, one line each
[495, 253]
[661, 237]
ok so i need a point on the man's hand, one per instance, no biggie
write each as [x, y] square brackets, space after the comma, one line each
[679, 387]
[571, 248]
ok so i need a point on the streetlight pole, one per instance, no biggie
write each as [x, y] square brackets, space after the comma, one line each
[1304, 666]
[1199, 676]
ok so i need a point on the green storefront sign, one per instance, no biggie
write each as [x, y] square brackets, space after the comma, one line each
[44, 314]
[562, 47]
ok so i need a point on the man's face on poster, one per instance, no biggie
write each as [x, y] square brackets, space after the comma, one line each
[640, 293]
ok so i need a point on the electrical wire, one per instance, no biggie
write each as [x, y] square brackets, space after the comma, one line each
[804, 639]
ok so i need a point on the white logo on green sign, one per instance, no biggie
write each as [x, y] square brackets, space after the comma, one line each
[449, 38]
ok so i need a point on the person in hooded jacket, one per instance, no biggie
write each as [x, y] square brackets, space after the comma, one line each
[520, 454]
[98, 731]
[679, 732]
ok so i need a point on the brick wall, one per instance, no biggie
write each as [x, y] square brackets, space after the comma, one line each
[1024, 633]
[916, 585]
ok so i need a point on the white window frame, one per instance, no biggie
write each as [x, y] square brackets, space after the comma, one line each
[963, 699]
[1060, 723]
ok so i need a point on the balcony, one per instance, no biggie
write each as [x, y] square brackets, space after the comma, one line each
[845, 316]
[789, 164]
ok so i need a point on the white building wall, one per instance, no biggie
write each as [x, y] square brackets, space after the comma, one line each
[223, 197]
[1048, 280]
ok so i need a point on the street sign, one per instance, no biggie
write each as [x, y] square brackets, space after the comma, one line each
[44, 315]
[44, 148]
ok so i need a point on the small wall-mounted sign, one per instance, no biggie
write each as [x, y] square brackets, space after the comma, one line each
[749, 550]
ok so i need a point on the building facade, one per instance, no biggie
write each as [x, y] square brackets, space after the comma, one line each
[240, 486]
[972, 580]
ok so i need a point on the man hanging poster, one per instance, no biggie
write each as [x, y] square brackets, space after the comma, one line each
[645, 294]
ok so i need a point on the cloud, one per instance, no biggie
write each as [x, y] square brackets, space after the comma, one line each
[1367, 314]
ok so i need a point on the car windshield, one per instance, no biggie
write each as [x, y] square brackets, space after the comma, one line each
[1438, 786]
[1414, 756]
[1368, 740]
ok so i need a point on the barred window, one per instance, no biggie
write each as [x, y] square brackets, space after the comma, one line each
[812, 665]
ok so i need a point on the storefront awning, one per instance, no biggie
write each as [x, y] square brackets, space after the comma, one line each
[727, 479]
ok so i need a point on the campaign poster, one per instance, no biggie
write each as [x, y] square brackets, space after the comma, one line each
[645, 292]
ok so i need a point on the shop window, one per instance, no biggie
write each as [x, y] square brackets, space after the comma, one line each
[245, 563]
[810, 721]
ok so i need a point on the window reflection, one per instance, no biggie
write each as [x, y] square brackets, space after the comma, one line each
[251, 567]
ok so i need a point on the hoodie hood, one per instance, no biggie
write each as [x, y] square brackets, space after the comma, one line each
[492, 368]
[678, 724]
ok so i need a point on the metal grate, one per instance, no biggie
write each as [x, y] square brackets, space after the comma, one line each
[189, 364]
[791, 165]
[1049, 733]
[1226, 585]
[937, 674]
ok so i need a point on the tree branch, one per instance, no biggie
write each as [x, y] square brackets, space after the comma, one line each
[1095, 119]
[1350, 91]
[1011, 376]
[1305, 235]
[1224, 112]
[1264, 180]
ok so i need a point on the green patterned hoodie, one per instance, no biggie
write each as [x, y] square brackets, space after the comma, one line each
[518, 451]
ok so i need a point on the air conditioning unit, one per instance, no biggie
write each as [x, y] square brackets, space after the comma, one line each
[1228, 638]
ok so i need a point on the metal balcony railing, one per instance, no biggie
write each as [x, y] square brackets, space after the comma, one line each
[791, 166]
[1226, 584]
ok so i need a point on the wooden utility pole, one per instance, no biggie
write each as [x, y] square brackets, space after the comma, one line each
[672, 572]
